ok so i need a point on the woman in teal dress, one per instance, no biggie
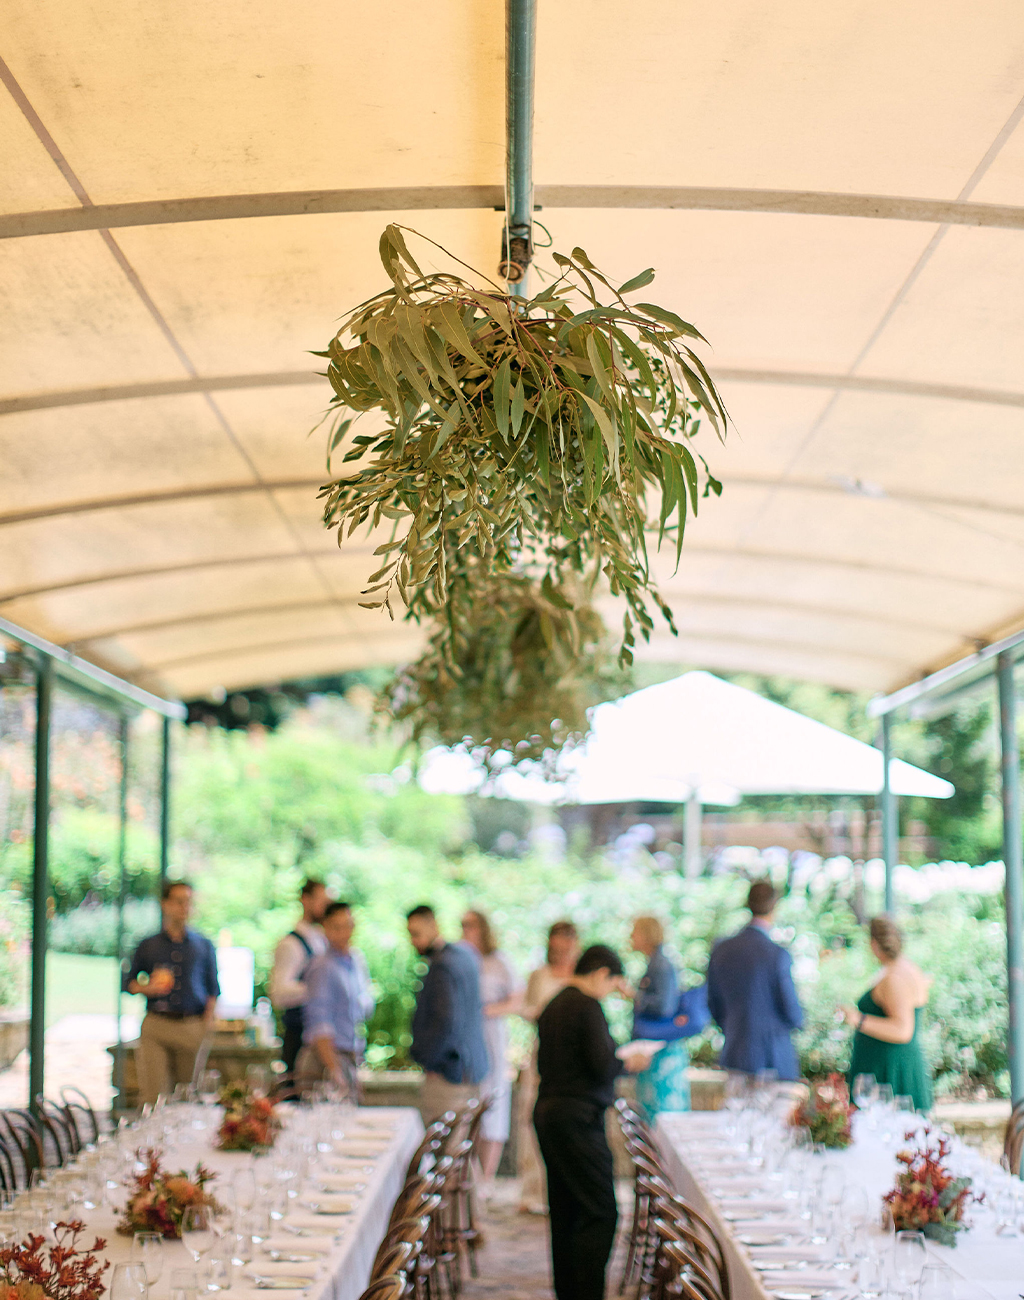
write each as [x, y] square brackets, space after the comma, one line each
[664, 1085]
[887, 1020]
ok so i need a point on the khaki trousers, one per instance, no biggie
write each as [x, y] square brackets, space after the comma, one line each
[438, 1095]
[166, 1053]
[309, 1069]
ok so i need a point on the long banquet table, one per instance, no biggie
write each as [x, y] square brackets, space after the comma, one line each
[692, 1144]
[346, 1268]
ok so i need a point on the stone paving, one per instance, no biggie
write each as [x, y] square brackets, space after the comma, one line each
[76, 1056]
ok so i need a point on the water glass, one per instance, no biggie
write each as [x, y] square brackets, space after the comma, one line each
[936, 1283]
[245, 1189]
[865, 1091]
[184, 1284]
[148, 1250]
[870, 1276]
[909, 1256]
[197, 1234]
[218, 1271]
[128, 1282]
[208, 1086]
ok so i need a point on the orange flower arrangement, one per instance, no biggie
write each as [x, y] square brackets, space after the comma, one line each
[826, 1113]
[927, 1198]
[159, 1199]
[60, 1272]
[249, 1122]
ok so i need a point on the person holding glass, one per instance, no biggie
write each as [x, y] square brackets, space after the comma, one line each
[501, 995]
[887, 1020]
[663, 1085]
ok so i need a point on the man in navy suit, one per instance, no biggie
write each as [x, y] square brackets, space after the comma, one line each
[751, 994]
[448, 1024]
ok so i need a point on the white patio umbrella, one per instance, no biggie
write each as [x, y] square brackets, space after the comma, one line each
[695, 739]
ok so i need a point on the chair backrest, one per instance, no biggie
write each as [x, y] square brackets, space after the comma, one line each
[686, 1278]
[476, 1117]
[426, 1153]
[57, 1129]
[698, 1253]
[8, 1169]
[416, 1192]
[394, 1258]
[1014, 1126]
[386, 1288]
[81, 1115]
[27, 1142]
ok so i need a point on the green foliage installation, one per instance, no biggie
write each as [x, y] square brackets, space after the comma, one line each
[519, 438]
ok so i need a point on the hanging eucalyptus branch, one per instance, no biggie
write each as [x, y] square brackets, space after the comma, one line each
[514, 668]
[521, 435]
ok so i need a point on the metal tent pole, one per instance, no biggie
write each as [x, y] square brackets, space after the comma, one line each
[165, 800]
[693, 860]
[122, 862]
[40, 879]
[520, 42]
[1013, 858]
[890, 823]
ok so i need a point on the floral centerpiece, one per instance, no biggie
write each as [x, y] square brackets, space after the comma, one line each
[33, 1270]
[826, 1113]
[158, 1199]
[249, 1122]
[927, 1197]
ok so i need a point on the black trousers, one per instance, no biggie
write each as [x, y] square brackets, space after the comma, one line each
[581, 1194]
[291, 1045]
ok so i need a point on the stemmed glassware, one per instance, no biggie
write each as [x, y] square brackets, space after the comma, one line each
[129, 1282]
[197, 1231]
[909, 1257]
[148, 1250]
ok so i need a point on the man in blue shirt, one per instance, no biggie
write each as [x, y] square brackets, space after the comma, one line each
[751, 994]
[176, 971]
[447, 1025]
[339, 998]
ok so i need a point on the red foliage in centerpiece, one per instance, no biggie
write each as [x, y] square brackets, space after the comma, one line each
[160, 1199]
[826, 1113]
[927, 1198]
[249, 1122]
[59, 1272]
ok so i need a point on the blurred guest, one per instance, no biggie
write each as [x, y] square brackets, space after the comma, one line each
[751, 994]
[292, 958]
[663, 1084]
[887, 1020]
[501, 993]
[578, 1068]
[176, 971]
[447, 1025]
[547, 980]
[339, 1001]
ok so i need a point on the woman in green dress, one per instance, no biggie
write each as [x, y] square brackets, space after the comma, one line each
[887, 1020]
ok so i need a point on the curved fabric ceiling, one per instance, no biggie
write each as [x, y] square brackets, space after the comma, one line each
[834, 194]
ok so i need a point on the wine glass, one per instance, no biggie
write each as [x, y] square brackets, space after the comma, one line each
[148, 1250]
[129, 1282]
[936, 1282]
[184, 1284]
[209, 1086]
[244, 1185]
[865, 1090]
[197, 1234]
[909, 1256]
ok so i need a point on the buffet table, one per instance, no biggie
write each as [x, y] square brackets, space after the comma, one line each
[706, 1163]
[350, 1240]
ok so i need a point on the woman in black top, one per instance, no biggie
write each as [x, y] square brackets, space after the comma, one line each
[578, 1068]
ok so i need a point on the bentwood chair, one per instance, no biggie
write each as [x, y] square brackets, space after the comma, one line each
[27, 1142]
[395, 1260]
[682, 1278]
[704, 1263]
[386, 1288]
[81, 1116]
[57, 1130]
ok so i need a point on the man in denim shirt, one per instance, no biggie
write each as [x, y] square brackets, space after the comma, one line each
[176, 971]
[339, 1000]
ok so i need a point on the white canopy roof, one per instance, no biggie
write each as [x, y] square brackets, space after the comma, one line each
[191, 195]
[695, 734]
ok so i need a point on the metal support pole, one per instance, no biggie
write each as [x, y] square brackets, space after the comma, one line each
[165, 800]
[890, 816]
[1013, 858]
[122, 862]
[40, 879]
[520, 42]
[693, 858]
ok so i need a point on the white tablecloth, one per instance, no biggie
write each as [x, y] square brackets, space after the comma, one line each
[993, 1263]
[347, 1267]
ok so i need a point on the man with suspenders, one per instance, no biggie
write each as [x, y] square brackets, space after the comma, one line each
[292, 957]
